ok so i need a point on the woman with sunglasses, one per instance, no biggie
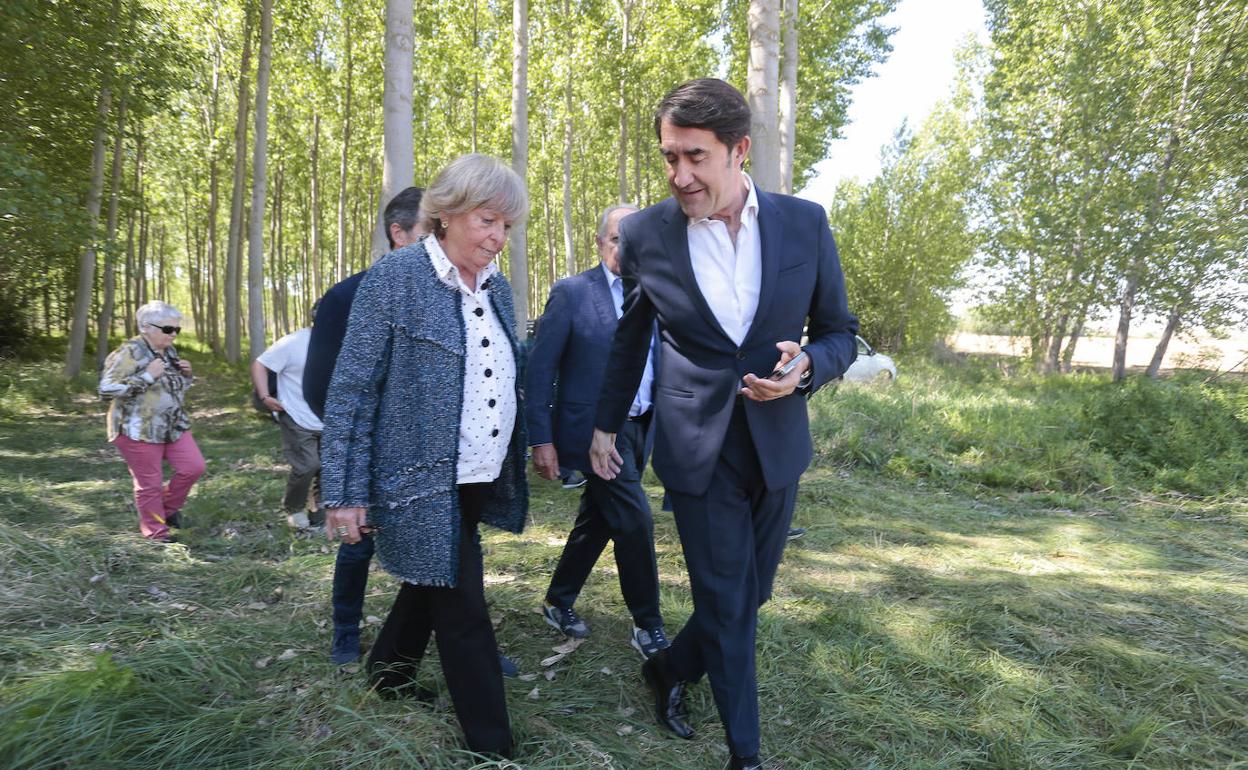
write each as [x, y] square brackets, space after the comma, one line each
[147, 419]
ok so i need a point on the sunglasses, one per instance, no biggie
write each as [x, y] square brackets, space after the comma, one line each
[167, 329]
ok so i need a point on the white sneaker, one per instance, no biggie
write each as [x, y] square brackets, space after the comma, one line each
[298, 520]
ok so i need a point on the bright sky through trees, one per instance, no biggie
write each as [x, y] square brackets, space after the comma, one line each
[918, 73]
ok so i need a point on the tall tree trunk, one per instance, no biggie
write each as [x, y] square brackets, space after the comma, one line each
[211, 295]
[569, 244]
[519, 259]
[127, 282]
[1159, 352]
[763, 93]
[1135, 270]
[398, 161]
[788, 94]
[105, 321]
[342, 178]
[86, 262]
[626, 8]
[259, 182]
[233, 266]
[314, 257]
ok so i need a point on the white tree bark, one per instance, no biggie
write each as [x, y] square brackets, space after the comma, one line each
[396, 99]
[105, 322]
[518, 259]
[763, 93]
[569, 243]
[233, 260]
[788, 94]
[342, 178]
[86, 261]
[259, 183]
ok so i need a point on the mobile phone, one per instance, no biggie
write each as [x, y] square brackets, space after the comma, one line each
[783, 371]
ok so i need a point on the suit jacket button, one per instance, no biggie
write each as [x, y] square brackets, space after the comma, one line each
[740, 355]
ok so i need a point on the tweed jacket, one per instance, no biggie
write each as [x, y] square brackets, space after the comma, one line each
[391, 438]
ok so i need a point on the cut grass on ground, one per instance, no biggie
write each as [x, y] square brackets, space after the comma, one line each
[928, 619]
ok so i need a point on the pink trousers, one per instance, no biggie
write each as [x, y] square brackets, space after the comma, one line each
[154, 499]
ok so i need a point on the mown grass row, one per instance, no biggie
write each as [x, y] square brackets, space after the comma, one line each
[983, 586]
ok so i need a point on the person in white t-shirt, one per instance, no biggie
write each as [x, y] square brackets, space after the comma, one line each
[301, 428]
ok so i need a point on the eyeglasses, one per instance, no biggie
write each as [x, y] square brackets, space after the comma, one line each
[167, 329]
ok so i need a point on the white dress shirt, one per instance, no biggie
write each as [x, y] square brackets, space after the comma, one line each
[730, 276]
[286, 358]
[641, 401]
[488, 415]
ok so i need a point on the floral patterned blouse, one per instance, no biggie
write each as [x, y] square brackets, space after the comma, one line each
[143, 408]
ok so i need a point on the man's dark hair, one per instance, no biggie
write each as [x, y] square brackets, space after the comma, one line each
[403, 210]
[706, 103]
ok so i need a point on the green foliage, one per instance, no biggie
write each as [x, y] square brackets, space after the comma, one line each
[1191, 437]
[973, 423]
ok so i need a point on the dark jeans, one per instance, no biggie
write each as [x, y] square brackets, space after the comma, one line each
[617, 511]
[464, 635]
[350, 584]
[733, 536]
[302, 450]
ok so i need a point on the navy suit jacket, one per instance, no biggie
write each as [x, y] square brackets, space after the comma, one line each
[571, 348]
[803, 291]
[329, 326]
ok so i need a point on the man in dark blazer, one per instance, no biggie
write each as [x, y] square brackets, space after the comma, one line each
[571, 348]
[734, 277]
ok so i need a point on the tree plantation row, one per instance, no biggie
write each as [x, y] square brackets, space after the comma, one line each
[1087, 168]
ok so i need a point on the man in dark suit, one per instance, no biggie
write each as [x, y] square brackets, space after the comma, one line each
[734, 276]
[402, 221]
[572, 344]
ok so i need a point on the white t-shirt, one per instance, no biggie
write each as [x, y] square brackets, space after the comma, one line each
[286, 358]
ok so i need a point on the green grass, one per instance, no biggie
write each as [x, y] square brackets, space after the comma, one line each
[985, 584]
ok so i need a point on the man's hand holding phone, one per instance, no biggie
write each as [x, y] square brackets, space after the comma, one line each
[783, 380]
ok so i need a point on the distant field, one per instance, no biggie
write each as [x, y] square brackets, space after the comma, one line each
[1182, 353]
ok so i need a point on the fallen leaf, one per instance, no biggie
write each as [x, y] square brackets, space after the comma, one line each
[372, 620]
[626, 711]
[605, 670]
[553, 659]
[257, 606]
[535, 693]
[287, 655]
[568, 646]
[623, 730]
[322, 732]
[550, 675]
[97, 578]
[264, 662]
[351, 668]
[527, 677]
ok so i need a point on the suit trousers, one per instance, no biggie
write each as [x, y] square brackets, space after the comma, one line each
[464, 635]
[733, 536]
[616, 511]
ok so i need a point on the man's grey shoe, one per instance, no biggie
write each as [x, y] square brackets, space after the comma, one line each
[796, 532]
[565, 621]
[575, 480]
[648, 642]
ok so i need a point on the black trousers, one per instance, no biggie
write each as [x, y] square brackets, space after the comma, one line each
[465, 639]
[617, 511]
[733, 537]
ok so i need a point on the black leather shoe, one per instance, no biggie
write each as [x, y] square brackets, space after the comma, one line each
[669, 696]
[748, 763]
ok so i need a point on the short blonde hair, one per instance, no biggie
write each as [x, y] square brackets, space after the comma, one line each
[470, 182]
[156, 311]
